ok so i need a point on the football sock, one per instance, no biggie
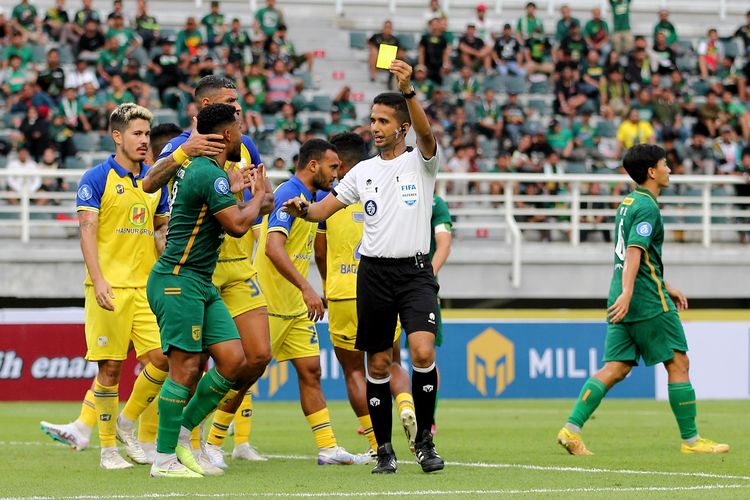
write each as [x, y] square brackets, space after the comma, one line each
[105, 399]
[172, 401]
[424, 389]
[320, 423]
[148, 423]
[219, 427]
[684, 407]
[146, 387]
[88, 410]
[366, 423]
[380, 407]
[210, 390]
[403, 401]
[243, 420]
[592, 393]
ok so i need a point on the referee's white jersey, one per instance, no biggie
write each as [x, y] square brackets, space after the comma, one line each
[397, 199]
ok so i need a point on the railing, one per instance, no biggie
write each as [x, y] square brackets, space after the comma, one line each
[701, 208]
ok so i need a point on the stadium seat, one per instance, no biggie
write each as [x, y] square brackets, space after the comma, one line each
[357, 40]
[165, 115]
[38, 52]
[731, 49]
[407, 41]
[86, 142]
[3, 161]
[686, 46]
[306, 79]
[576, 167]
[106, 143]
[322, 102]
[515, 84]
[605, 129]
[495, 83]
[541, 106]
[76, 163]
[540, 87]
[66, 55]
[701, 87]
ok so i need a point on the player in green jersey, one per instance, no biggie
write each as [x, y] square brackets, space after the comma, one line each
[191, 315]
[641, 310]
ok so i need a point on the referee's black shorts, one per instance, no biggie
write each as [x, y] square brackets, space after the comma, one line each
[388, 289]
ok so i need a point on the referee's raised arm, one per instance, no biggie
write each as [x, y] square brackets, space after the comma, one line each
[425, 140]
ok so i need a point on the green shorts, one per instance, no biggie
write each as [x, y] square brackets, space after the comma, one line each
[655, 339]
[191, 314]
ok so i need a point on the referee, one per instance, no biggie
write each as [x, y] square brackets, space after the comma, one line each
[395, 275]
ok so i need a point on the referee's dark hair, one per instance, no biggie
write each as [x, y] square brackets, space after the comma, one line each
[314, 149]
[351, 148]
[640, 158]
[212, 83]
[397, 102]
[161, 134]
[214, 116]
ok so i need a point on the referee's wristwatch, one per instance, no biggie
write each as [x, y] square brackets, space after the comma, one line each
[411, 93]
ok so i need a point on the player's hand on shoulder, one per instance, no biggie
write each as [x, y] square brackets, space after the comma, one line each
[315, 309]
[203, 144]
[296, 207]
[104, 295]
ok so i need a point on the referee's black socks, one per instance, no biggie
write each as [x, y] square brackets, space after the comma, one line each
[424, 385]
[380, 406]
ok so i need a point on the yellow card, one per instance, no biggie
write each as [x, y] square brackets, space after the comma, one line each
[386, 55]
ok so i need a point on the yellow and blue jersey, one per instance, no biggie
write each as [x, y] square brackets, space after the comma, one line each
[233, 249]
[125, 235]
[284, 299]
[343, 237]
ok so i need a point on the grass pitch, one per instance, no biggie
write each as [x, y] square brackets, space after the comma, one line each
[492, 448]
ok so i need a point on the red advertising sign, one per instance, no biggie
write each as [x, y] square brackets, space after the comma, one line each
[45, 362]
[338, 75]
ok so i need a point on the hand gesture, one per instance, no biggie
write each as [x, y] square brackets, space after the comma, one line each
[258, 181]
[296, 207]
[402, 71]
[239, 179]
[314, 304]
[203, 144]
[619, 309]
[104, 294]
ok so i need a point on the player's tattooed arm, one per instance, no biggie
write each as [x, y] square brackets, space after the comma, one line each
[160, 233]
[89, 228]
[159, 174]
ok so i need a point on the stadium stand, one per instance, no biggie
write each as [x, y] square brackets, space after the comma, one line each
[570, 114]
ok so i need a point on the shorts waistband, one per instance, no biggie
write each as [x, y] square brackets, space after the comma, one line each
[418, 260]
[238, 259]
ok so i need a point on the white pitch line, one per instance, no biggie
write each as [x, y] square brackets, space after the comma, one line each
[534, 491]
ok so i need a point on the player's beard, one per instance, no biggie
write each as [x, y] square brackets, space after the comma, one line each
[321, 182]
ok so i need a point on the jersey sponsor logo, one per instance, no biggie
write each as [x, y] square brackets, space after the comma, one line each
[120, 189]
[374, 401]
[196, 333]
[628, 201]
[348, 269]
[371, 208]
[221, 185]
[167, 149]
[282, 215]
[490, 356]
[138, 214]
[644, 229]
[85, 193]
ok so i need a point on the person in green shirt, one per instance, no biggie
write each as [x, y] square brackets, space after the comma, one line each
[14, 77]
[560, 138]
[596, 32]
[191, 315]
[111, 59]
[466, 87]
[666, 27]
[125, 36]
[269, 18]
[24, 18]
[146, 25]
[255, 81]
[622, 37]
[335, 126]
[18, 48]
[92, 105]
[529, 23]
[642, 310]
[214, 24]
[234, 42]
[564, 23]
[287, 120]
[117, 94]
[188, 39]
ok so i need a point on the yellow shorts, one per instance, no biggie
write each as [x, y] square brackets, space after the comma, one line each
[293, 338]
[109, 333]
[239, 289]
[342, 323]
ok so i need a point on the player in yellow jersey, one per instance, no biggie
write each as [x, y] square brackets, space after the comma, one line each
[77, 434]
[118, 221]
[337, 256]
[235, 276]
[283, 260]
